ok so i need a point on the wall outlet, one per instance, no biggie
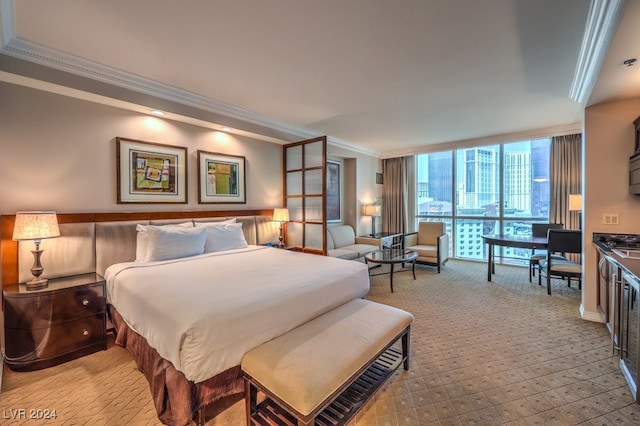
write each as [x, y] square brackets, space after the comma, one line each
[610, 219]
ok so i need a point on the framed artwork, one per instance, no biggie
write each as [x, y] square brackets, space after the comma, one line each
[333, 191]
[221, 178]
[150, 172]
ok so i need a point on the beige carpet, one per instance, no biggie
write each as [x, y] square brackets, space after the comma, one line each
[482, 353]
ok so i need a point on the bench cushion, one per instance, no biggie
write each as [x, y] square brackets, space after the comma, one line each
[307, 365]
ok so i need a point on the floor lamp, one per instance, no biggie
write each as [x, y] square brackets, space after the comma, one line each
[575, 205]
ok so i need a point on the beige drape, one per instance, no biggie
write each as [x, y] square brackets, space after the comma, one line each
[394, 195]
[566, 178]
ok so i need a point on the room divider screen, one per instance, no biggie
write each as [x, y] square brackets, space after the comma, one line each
[305, 176]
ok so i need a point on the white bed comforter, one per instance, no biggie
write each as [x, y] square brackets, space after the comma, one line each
[204, 313]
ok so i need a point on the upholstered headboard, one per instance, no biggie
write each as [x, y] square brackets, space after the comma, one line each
[92, 246]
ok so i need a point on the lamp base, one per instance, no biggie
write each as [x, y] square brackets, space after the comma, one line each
[37, 283]
[280, 238]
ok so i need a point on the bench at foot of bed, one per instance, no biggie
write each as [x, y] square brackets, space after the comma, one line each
[327, 368]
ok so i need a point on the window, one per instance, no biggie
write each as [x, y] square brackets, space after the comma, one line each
[483, 190]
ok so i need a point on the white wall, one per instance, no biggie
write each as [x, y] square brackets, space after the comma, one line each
[360, 187]
[58, 153]
[608, 144]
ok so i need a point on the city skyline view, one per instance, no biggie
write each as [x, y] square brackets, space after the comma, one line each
[498, 188]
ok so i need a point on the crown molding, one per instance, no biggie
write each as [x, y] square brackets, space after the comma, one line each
[51, 58]
[47, 57]
[16, 47]
[602, 23]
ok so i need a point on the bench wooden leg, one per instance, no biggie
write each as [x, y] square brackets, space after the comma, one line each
[405, 348]
[251, 398]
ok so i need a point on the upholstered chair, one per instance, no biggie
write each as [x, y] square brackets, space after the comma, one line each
[431, 242]
[540, 230]
[562, 241]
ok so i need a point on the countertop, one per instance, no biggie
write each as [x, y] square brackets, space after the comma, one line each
[632, 266]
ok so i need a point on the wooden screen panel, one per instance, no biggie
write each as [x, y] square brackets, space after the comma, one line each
[305, 177]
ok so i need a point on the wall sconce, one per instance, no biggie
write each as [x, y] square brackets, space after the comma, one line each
[36, 226]
[373, 211]
[281, 215]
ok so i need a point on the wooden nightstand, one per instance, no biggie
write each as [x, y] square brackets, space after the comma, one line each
[56, 324]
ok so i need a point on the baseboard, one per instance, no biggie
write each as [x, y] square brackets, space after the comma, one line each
[589, 315]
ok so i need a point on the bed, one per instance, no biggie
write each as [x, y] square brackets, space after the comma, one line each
[187, 321]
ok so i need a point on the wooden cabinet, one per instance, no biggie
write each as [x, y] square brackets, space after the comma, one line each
[630, 331]
[608, 282]
[64, 321]
[634, 162]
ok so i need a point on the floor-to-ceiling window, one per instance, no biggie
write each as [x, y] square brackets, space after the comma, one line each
[484, 190]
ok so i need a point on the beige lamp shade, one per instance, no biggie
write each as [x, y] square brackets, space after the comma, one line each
[281, 215]
[575, 202]
[371, 210]
[35, 226]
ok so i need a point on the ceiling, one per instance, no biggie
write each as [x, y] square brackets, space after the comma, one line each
[390, 78]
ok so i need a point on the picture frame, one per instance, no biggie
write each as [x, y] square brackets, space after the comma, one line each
[333, 191]
[150, 173]
[221, 178]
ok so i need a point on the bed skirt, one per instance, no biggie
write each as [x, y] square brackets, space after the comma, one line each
[176, 399]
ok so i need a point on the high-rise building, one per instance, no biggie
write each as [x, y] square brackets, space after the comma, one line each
[540, 178]
[517, 181]
[481, 171]
[440, 181]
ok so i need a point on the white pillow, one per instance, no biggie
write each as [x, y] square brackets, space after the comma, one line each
[174, 242]
[223, 236]
[142, 237]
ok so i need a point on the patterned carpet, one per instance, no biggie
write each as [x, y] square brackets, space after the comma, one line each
[482, 353]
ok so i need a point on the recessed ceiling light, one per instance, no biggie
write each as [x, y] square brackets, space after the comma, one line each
[157, 113]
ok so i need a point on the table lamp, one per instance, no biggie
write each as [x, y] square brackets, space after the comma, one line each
[36, 226]
[281, 215]
[373, 211]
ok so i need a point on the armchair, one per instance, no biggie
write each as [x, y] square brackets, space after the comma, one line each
[431, 242]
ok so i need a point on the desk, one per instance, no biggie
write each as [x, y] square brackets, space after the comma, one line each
[516, 241]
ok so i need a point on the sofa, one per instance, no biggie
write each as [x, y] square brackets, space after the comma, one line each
[343, 243]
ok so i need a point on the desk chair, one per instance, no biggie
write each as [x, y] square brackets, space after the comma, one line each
[539, 230]
[562, 241]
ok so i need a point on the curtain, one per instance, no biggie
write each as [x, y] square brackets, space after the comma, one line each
[565, 179]
[394, 195]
